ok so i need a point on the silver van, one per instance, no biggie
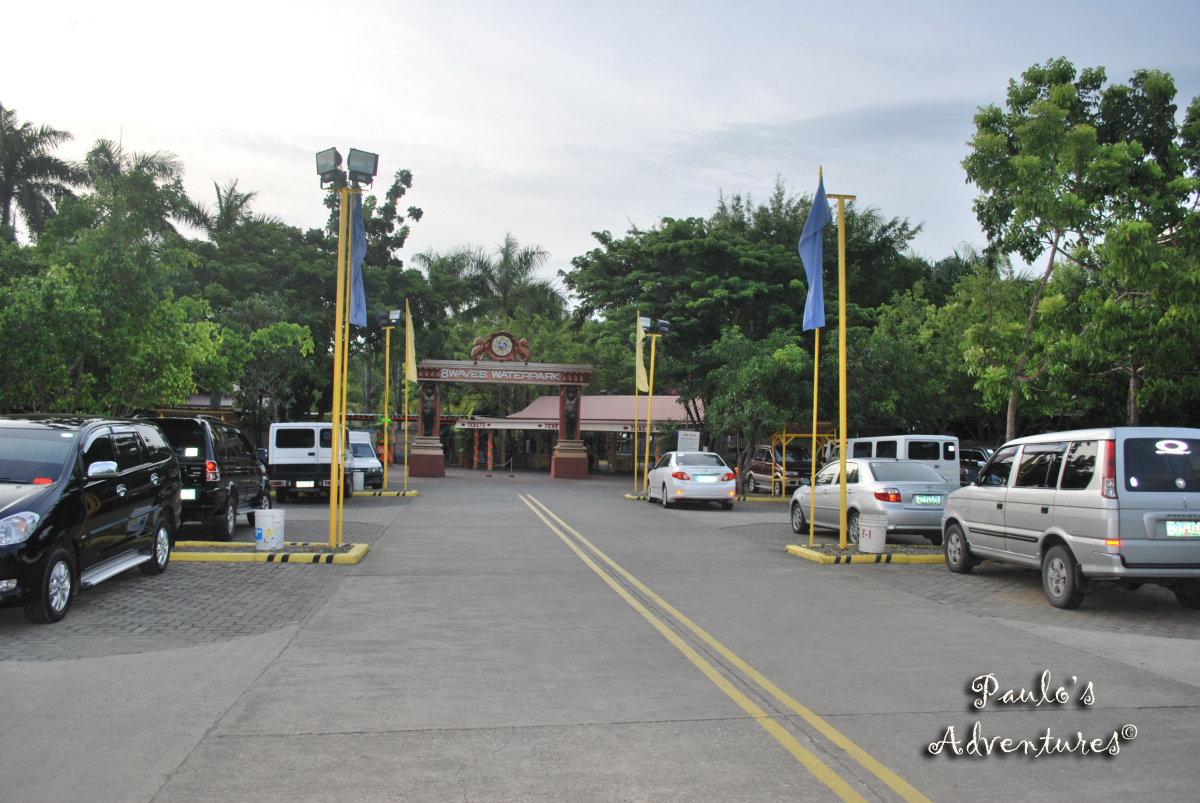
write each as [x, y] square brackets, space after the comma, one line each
[939, 452]
[1093, 509]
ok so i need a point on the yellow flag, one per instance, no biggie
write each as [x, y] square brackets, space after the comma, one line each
[410, 351]
[643, 384]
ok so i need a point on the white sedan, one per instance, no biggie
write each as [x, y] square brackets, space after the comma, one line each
[691, 476]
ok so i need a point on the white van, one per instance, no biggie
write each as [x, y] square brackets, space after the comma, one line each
[362, 458]
[299, 458]
[939, 452]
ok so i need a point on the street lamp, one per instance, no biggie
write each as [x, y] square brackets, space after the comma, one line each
[328, 162]
[664, 327]
[362, 166]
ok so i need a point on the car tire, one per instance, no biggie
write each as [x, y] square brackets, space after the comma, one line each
[751, 485]
[727, 506]
[161, 554]
[281, 494]
[225, 523]
[799, 524]
[56, 590]
[1058, 578]
[852, 529]
[1188, 595]
[957, 551]
[666, 500]
[262, 503]
[777, 489]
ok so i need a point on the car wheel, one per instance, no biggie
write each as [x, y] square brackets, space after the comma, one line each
[666, 500]
[225, 523]
[751, 485]
[649, 498]
[936, 540]
[799, 525]
[1188, 595]
[958, 554]
[162, 551]
[262, 503]
[1058, 578]
[727, 506]
[56, 592]
[777, 489]
[852, 529]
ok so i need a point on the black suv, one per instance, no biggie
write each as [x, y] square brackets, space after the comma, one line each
[222, 475]
[82, 499]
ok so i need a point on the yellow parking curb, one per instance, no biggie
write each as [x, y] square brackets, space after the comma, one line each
[886, 557]
[383, 493]
[356, 554]
[636, 497]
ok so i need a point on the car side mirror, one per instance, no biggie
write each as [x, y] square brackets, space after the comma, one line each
[261, 455]
[102, 468]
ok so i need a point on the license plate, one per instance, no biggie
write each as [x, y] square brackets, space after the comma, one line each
[927, 499]
[1183, 529]
[304, 483]
[705, 478]
[188, 493]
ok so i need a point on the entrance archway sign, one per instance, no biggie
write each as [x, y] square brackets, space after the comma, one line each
[569, 460]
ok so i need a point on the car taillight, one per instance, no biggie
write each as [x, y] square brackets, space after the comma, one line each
[726, 477]
[211, 474]
[1108, 485]
[888, 495]
[681, 475]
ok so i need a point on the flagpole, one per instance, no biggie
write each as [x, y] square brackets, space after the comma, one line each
[812, 482]
[637, 360]
[841, 199]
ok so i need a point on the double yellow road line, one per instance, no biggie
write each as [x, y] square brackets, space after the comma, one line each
[802, 754]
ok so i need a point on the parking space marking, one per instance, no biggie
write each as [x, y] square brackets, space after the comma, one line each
[869, 762]
[813, 764]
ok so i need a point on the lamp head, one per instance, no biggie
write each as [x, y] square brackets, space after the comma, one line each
[362, 166]
[381, 318]
[395, 316]
[664, 326]
[328, 162]
[645, 322]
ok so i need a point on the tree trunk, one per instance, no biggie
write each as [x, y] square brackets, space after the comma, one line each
[1010, 430]
[1134, 385]
[744, 453]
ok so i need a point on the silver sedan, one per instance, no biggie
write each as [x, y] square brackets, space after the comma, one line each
[911, 494]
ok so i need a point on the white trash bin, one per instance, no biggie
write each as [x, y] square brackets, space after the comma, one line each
[268, 530]
[872, 533]
[357, 483]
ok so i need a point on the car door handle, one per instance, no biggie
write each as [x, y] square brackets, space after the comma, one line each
[1045, 510]
[121, 490]
[999, 506]
[154, 479]
[311, 454]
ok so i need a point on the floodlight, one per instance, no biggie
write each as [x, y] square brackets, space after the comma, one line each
[664, 326]
[362, 165]
[395, 316]
[328, 161]
[645, 322]
[381, 318]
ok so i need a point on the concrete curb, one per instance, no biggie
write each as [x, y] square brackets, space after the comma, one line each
[356, 554]
[887, 557]
[642, 498]
[383, 493]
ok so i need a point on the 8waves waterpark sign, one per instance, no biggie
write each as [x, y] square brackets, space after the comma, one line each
[521, 374]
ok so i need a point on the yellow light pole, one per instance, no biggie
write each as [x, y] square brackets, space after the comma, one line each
[336, 412]
[841, 199]
[387, 397]
[649, 417]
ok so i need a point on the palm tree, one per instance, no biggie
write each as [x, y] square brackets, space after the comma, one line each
[109, 168]
[31, 177]
[507, 282]
[233, 209]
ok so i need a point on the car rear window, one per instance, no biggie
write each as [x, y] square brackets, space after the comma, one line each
[924, 450]
[1162, 464]
[33, 456]
[186, 437]
[699, 459]
[905, 472]
[885, 449]
[948, 451]
[294, 439]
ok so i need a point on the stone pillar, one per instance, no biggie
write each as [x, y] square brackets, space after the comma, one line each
[570, 457]
[428, 459]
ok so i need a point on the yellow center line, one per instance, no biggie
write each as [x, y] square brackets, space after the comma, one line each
[793, 746]
[869, 762]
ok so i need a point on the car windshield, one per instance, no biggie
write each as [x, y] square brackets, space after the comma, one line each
[1162, 464]
[905, 472]
[795, 454]
[700, 459]
[362, 450]
[33, 455]
[185, 437]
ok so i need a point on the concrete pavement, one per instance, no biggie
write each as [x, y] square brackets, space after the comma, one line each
[475, 655]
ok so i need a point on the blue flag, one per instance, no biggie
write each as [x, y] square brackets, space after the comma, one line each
[358, 252]
[811, 254]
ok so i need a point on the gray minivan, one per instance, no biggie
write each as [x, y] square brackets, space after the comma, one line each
[1093, 509]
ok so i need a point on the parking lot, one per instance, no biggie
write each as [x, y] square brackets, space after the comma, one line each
[475, 654]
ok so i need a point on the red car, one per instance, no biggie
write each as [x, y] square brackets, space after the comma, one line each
[765, 473]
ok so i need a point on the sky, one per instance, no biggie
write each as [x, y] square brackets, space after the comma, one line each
[554, 120]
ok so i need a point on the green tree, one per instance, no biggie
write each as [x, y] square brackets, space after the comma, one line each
[507, 281]
[32, 179]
